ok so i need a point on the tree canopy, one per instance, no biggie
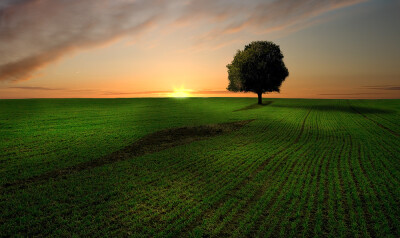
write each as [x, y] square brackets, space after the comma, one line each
[259, 68]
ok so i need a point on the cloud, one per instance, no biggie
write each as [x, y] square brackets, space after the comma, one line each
[102, 92]
[36, 88]
[35, 33]
[383, 87]
[392, 88]
[257, 16]
[347, 94]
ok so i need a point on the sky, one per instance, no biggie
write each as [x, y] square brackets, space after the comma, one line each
[153, 48]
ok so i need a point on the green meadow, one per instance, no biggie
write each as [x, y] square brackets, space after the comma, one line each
[119, 167]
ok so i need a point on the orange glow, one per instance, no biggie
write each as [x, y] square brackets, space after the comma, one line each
[180, 93]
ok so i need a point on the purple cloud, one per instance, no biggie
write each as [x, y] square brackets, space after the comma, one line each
[34, 33]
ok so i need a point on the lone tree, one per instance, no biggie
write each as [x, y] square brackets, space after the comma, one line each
[259, 68]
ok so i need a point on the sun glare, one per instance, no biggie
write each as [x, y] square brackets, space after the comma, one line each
[180, 93]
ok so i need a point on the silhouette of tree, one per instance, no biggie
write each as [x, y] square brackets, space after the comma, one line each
[259, 68]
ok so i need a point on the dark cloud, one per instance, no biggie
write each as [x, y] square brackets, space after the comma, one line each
[7, 3]
[383, 87]
[34, 33]
[392, 88]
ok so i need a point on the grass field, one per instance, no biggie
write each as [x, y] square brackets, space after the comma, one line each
[293, 167]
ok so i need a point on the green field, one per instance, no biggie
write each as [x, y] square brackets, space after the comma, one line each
[299, 168]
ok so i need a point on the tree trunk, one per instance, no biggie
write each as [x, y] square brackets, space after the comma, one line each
[259, 98]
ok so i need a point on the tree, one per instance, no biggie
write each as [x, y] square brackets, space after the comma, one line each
[259, 68]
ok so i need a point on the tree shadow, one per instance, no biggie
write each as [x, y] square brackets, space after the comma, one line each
[254, 106]
[340, 108]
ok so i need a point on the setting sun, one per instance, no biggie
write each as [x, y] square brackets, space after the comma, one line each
[180, 93]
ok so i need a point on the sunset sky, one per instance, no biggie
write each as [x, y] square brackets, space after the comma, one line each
[149, 48]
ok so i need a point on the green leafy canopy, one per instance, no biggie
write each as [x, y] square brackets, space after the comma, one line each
[259, 68]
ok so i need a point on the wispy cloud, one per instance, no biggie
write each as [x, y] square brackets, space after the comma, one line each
[347, 94]
[37, 88]
[35, 33]
[231, 17]
[116, 93]
[383, 87]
